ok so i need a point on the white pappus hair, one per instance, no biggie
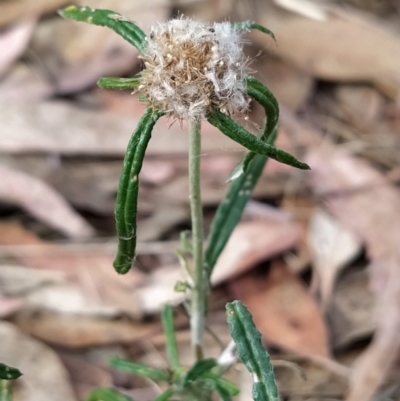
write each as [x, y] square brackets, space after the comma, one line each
[192, 67]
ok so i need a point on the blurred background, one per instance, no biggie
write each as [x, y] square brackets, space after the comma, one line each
[316, 257]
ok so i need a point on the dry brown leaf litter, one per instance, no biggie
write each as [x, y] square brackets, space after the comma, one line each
[341, 77]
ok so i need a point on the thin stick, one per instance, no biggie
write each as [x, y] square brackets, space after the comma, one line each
[199, 292]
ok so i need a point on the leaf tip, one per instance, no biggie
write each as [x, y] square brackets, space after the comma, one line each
[253, 25]
[9, 373]
[230, 308]
[64, 12]
[14, 375]
[122, 267]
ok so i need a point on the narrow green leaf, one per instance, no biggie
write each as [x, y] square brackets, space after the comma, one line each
[230, 210]
[119, 24]
[225, 396]
[250, 350]
[248, 25]
[127, 197]
[139, 369]
[167, 317]
[166, 395]
[260, 93]
[9, 373]
[240, 135]
[107, 394]
[198, 369]
[256, 90]
[118, 83]
[219, 381]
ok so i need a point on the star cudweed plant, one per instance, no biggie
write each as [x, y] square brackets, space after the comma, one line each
[194, 70]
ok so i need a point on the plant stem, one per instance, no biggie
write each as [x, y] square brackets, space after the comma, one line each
[5, 390]
[199, 292]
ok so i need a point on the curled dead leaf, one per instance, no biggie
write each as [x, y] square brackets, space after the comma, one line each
[43, 202]
[331, 247]
[13, 43]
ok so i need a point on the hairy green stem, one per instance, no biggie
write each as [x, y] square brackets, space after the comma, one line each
[199, 292]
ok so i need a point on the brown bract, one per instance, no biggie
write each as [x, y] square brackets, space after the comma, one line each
[193, 67]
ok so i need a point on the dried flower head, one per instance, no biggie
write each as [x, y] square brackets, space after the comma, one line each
[192, 67]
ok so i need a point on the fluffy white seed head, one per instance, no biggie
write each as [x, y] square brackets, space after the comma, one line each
[192, 67]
